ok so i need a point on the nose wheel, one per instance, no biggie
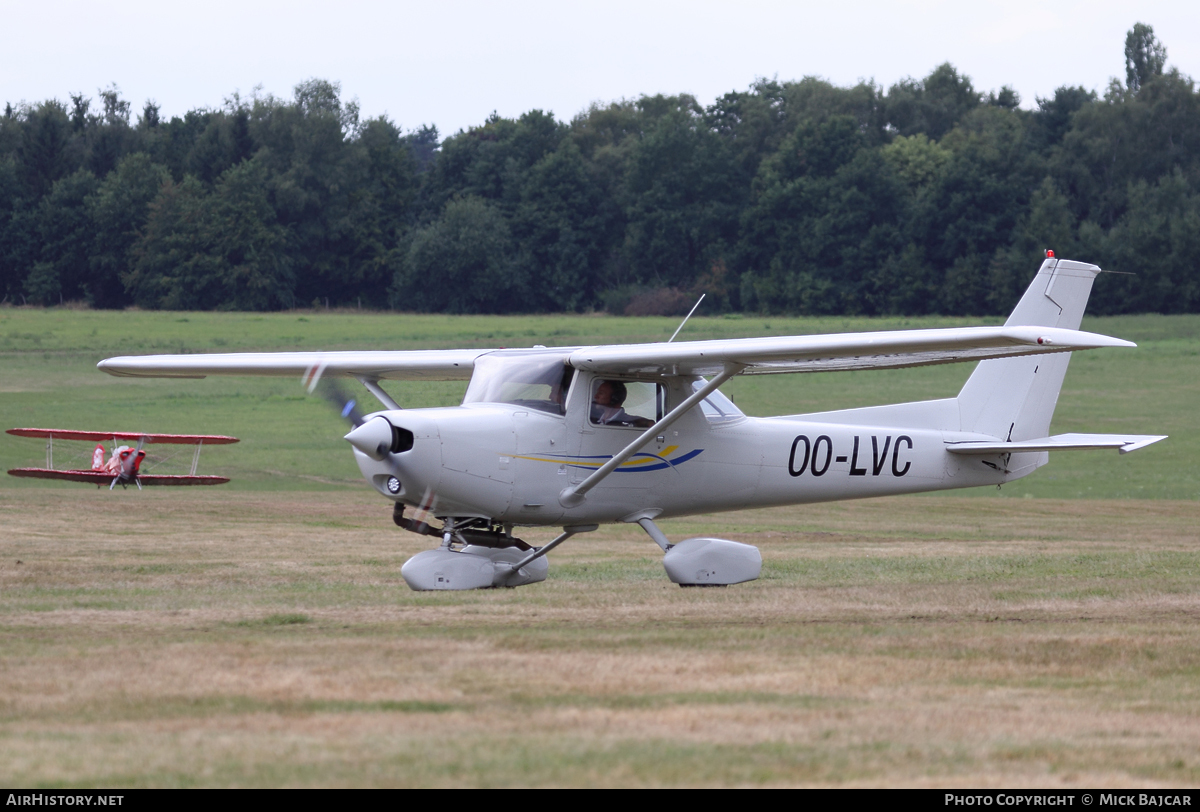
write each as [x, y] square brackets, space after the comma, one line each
[475, 554]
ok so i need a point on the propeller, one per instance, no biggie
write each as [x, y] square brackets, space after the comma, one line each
[128, 463]
[334, 392]
[136, 463]
[376, 438]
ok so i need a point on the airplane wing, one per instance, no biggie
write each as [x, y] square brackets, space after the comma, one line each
[820, 353]
[106, 477]
[840, 351]
[101, 436]
[430, 365]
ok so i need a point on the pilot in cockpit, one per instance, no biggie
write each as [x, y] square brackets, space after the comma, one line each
[607, 406]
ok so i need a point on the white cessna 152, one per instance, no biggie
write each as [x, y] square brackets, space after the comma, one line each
[580, 436]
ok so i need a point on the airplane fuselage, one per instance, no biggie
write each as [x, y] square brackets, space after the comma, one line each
[580, 436]
[509, 464]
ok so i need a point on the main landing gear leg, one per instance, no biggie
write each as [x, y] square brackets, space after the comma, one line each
[705, 561]
[508, 572]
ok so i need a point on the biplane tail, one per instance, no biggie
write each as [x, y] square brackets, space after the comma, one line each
[1013, 399]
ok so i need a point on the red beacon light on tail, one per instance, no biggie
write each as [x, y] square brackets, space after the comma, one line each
[1049, 253]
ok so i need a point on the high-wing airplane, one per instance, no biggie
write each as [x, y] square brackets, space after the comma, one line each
[123, 466]
[580, 436]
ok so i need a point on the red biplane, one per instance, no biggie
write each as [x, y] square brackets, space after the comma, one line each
[123, 465]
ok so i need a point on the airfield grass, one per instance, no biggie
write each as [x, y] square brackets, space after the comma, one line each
[261, 639]
[260, 634]
[293, 441]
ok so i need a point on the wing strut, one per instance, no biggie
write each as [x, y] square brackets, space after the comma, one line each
[196, 457]
[375, 389]
[574, 496]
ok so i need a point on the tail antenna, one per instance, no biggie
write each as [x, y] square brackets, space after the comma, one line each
[685, 318]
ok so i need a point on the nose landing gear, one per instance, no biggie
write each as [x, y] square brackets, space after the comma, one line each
[475, 555]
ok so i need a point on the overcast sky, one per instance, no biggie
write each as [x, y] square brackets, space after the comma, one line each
[453, 62]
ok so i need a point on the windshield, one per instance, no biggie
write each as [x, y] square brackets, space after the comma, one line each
[536, 380]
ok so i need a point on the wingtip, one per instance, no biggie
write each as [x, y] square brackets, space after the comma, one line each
[1065, 338]
[127, 367]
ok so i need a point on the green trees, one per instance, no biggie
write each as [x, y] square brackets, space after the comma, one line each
[932, 105]
[1144, 56]
[42, 150]
[826, 214]
[679, 196]
[560, 227]
[462, 263]
[64, 231]
[525, 185]
[119, 209]
[797, 196]
[218, 249]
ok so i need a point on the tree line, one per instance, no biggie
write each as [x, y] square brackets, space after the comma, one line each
[801, 197]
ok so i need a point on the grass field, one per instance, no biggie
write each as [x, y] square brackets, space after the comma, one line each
[291, 441]
[260, 634]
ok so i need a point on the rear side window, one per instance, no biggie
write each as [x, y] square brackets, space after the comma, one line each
[716, 407]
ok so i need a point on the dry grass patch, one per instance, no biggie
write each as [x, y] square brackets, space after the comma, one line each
[240, 639]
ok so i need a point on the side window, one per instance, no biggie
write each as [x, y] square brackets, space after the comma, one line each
[626, 403]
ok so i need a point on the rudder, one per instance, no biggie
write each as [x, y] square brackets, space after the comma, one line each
[1014, 398]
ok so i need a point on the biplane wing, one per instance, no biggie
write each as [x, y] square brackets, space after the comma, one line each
[133, 436]
[99, 478]
[124, 466]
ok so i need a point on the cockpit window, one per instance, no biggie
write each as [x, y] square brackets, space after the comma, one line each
[716, 407]
[626, 403]
[535, 380]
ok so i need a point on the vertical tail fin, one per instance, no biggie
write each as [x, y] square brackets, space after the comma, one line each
[1014, 398]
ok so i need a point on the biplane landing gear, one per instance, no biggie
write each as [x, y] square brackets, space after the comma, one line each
[705, 561]
[476, 555]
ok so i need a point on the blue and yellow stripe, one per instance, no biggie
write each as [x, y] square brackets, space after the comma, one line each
[640, 462]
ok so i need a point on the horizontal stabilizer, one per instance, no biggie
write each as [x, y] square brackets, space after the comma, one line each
[1122, 442]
